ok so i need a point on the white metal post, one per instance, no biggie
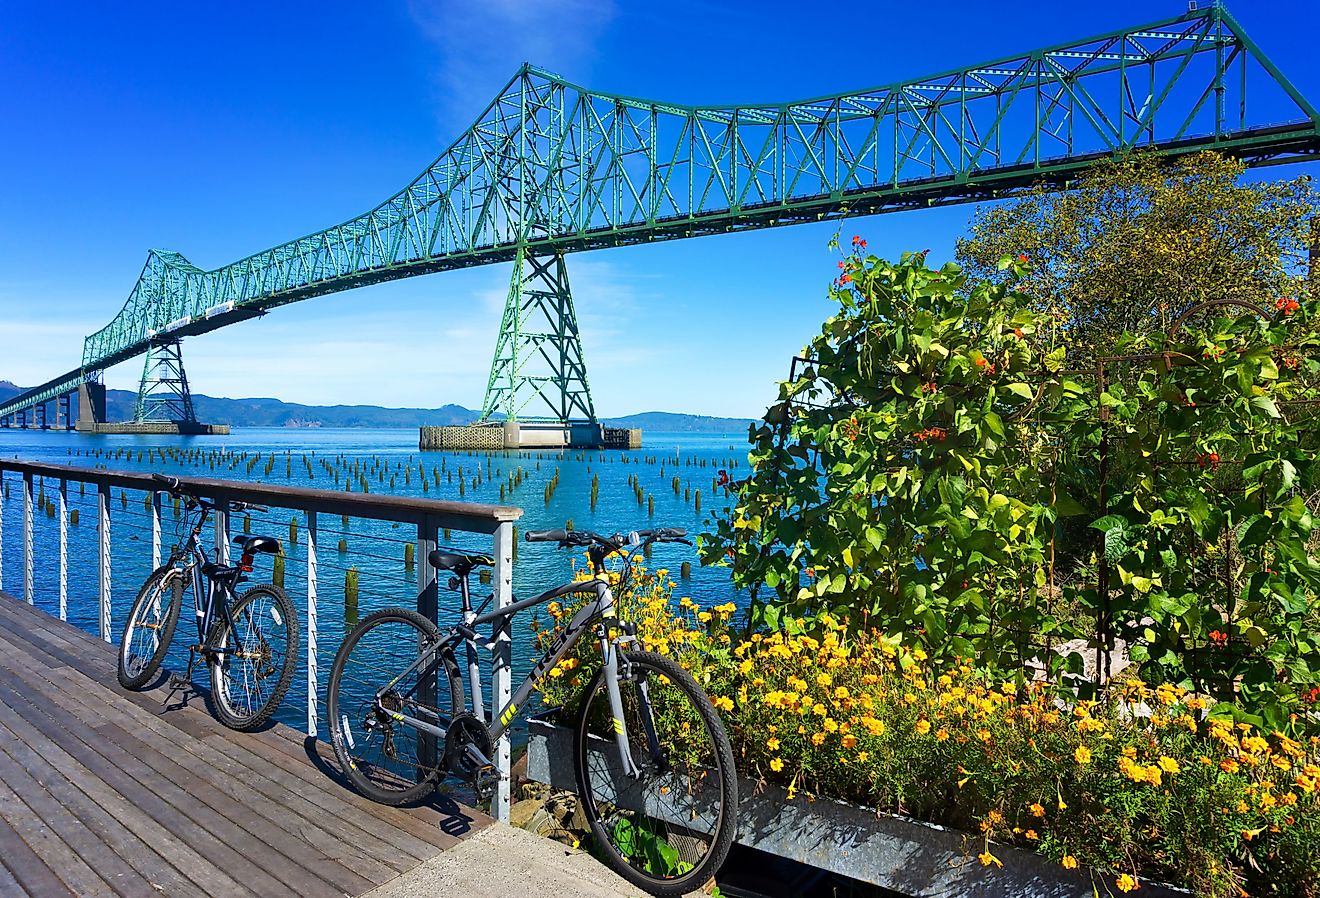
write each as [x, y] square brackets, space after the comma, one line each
[27, 538]
[155, 530]
[103, 555]
[64, 550]
[501, 675]
[222, 531]
[313, 710]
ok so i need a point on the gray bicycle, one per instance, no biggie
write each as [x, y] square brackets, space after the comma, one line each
[248, 640]
[654, 767]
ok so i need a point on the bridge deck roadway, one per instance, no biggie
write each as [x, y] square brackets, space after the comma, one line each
[104, 792]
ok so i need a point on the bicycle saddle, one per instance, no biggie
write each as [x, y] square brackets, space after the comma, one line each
[458, 562]
[258, 544]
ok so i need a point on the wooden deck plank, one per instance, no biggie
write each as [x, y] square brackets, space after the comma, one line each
[105, 792]
[39, 797]
[416, 832]
[32, 874]
[119, 837]
[173, 806]
[205, 876]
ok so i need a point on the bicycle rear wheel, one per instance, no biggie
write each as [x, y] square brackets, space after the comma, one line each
[670, 828]
[150, 626]
[254, 667]
[384, 759]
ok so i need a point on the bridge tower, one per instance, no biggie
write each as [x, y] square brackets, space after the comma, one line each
[538, 373]
[163, 395]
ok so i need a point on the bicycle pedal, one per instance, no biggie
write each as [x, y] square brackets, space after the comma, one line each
[485, 781]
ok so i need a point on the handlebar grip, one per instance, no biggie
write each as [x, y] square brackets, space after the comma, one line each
[546, 536]
[170, 483]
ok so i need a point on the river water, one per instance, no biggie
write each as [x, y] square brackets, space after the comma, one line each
[375, 549]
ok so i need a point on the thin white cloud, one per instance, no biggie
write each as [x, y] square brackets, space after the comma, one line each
[483, 42]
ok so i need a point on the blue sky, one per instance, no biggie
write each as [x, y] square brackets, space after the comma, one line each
[217, 130]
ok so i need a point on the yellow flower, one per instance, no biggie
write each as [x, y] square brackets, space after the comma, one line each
[849, 741]
[1126, 883]
[841, 692]
[1031, 835]
[703, 616]
[723, 702]
[823, 679]
[1228, 765]
[1069, 862]
[986, 859]
[817, 738]
[1037, 809]
[1169, 765]
[942, 735]
[923, 727]
[1083, 754]
[772, 743]
[776, 764]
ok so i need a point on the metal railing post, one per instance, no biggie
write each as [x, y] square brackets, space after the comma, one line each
[64, 550]
[27, 538]
[501, 674]
[313, 712]
[428, 607]
[103, 555]
[222, 531]
[155, 530]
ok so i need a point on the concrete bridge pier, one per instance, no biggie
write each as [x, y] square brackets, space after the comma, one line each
[91, 406]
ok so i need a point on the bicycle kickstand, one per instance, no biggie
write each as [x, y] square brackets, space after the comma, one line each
[183, 682]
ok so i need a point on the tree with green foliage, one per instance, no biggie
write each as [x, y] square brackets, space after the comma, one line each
[914, 477]
[1141, 239]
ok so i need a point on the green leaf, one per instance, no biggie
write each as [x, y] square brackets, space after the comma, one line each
[1066, 506]
[1266, 405]
[1020, 389]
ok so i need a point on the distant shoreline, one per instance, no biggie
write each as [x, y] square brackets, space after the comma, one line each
[267, 412]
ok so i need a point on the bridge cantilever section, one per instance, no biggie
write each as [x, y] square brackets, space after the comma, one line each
[551, 167]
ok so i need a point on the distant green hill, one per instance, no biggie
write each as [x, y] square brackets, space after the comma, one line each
[275, 413]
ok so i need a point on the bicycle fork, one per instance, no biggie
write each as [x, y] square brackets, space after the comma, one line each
[610, 656]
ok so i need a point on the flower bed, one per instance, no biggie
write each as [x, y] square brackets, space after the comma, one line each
[1145, 785]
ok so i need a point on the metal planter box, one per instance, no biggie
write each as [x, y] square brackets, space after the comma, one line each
[918, 859]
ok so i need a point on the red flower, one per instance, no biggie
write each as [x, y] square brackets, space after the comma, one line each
[1023, 258]
[1218, 637]
[1017, 332]
[981, 363]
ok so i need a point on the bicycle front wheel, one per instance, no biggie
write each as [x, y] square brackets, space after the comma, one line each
[150, 626]
[384, 758]
[254, 665]
[667, 827]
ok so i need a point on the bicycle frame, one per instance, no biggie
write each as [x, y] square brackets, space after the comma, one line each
[602, 610]
[202, 586]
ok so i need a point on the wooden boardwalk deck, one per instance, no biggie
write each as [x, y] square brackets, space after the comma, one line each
[105, 792]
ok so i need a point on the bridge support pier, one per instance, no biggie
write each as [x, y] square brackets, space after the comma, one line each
[538, 372]
[91, 406]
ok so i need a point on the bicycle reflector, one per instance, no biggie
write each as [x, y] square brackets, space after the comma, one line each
[245, 563]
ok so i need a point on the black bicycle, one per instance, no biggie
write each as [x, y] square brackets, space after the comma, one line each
[653, 764]
[249, 641]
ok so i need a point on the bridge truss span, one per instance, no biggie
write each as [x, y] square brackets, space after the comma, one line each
[551, 168]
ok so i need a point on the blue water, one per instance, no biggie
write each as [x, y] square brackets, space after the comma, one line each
[376, 549]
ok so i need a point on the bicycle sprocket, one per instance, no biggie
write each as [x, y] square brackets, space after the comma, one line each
[465, 730]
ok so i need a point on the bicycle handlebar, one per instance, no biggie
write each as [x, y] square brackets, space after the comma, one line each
[175, 487]
[567, 538]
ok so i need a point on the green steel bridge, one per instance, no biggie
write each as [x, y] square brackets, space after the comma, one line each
[551, 168]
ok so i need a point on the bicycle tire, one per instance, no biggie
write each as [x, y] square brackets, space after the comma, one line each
[633, 842]
[254, 659]
[145, 615]
[365, 741]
